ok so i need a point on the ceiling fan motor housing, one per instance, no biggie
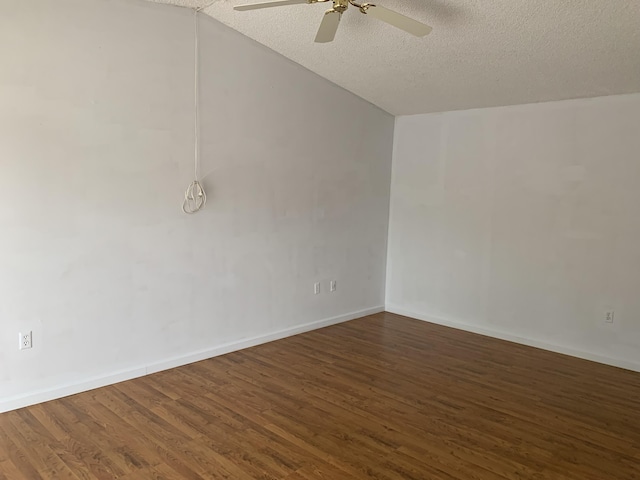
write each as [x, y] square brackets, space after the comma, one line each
[340, 5]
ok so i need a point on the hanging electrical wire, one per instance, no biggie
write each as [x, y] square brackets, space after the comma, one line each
[195, 197]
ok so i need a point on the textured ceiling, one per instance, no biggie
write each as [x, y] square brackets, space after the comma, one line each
[480, 53]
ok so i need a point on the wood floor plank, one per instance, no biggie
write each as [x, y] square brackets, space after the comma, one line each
[383, 397]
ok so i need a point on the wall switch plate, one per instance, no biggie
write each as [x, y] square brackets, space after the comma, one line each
[316, 288]
[332, 286]
[25, 341]
[608, 316]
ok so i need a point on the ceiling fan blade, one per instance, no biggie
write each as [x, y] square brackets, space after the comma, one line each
[328, 27]
[398, 20]
[279, 3]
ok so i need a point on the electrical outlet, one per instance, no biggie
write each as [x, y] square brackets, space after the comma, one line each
[316, 288]
[332, 286]
[608, 316]
[25, 341]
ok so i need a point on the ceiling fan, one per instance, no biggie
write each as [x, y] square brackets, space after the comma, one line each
[331, 20]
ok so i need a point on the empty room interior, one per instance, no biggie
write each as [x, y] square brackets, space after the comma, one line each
[320, 239]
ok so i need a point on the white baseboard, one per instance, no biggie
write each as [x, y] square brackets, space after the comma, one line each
[615, 362]
[84, 385]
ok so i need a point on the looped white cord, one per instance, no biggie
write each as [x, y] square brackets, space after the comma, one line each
[194, 197]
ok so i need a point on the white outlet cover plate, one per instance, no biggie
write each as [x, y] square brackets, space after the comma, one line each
[25, 340]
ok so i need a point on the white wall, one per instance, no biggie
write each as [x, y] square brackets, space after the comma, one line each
[96, 144]
[522, 222]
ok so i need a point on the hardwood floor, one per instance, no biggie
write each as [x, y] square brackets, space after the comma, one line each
[382, 397]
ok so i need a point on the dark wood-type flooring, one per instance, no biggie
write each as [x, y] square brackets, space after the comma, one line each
[382, 397]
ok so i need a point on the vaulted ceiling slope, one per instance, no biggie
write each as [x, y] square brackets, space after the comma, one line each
[481, 53]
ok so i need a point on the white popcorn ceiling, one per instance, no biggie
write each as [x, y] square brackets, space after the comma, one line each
[481, 53]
